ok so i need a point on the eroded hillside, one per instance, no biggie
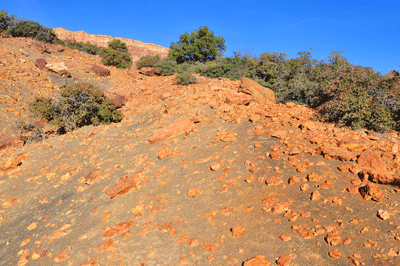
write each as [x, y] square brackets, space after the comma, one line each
[196, 175]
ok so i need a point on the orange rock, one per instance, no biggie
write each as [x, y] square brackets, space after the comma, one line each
[162, 153]
[193, 192]
[371, 161]
[336, 153]
[166, 227]
[178, 126]
[193, 242]
[273, 181]
[123, 185]
[9, 203]
[335, 254]
[107, 245]
[92, 177]
[333, 239]
[238, 230]
[182, 239]
[284, 260]
[10, 164]
[184, 261]
[257, 261]
[293, 179]
[315, 195]
[259, 93]
[371, 191]
[285, 237]
[280, 208]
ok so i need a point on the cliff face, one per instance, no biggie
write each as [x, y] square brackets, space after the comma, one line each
[137, 49]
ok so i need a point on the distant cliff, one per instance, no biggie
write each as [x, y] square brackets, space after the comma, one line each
[137, 49]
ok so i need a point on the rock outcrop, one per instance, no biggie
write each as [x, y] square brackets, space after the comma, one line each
[137, 49]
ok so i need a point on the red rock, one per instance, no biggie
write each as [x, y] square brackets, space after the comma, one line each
[274, 155]
[280, 134]
[193, 242]
[166, 227]
[269, 201]
[124, 184]
[237, 230]
[259, 93]
[10, 164]
[336, 153]
[107, 245]
[184, 261]
[40, 63]
[333, 239]
[294, 151]
[353, 189]
[100, 71]
[193, 192]
[211, 248]
[178, 126]
[293, 179]
[92, 177]
[335, 254]
[148, 71]
[285, 237]
[312, 177]
[383, 177]
[228, 136]
[371, 191]
[238, 98]
[371, 161]
[9, 203]
[384, 215]
[182, 239]
[284, 260]
[315, 195]
[280, 208]
[162, 153]
[119, 100]
[257, 261]
[273, 181]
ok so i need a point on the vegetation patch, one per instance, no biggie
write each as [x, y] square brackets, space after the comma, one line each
[79, 105]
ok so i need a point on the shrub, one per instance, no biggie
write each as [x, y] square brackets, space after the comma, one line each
[185, 78]
[30, 132]
[147, 61]
[31, 29]
[118, 45]
[5, 20]
[199, 46]
[115, 58]
[166, 67]
[79, 105]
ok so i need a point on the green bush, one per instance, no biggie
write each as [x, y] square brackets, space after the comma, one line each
[115, 58]
[79, 105]
[31, 29]
[199, 46]
[147, 61]
[166, 67]
[185, 78]
[84, 47]
[6, 20]
[118, 46]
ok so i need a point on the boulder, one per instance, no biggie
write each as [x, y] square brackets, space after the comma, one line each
[371, 191]
[370, 160]
[238, 98]
[119, 100]
[259, 93]
[336, 153]
[100, 71]
[59, 68]
[257, 261]
[148, 71]
[40, 63]
[178, 126]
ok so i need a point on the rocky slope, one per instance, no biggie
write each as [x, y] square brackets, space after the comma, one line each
[137, 49]
[196, 175]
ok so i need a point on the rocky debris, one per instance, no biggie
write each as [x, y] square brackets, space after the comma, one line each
[371, 191]
[371, 161]
[59, 68]
[41, 63]
[259, 93]
[100, 71]
[119, 100]
[284, 260]
[162, 153]
[178, 126]
[238, 98]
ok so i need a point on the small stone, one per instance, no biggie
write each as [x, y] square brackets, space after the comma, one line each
[193, 242]
[284, 260]
[10, 164]
[335, 254]
[384, 215]
[304, 187]
[193, 192]
[273, 181]
[257, 261]
[293, 179]
[315, 195]
[285, 237]
[162, 153]
[312, 177]
[237, 230]
[215, 166]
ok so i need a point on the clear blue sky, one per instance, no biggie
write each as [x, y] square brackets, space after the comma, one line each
[368, 32]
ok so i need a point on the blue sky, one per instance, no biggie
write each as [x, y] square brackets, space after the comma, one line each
[368, 32]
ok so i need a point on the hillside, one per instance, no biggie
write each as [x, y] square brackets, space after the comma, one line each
[203, 174]
[136, 48]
